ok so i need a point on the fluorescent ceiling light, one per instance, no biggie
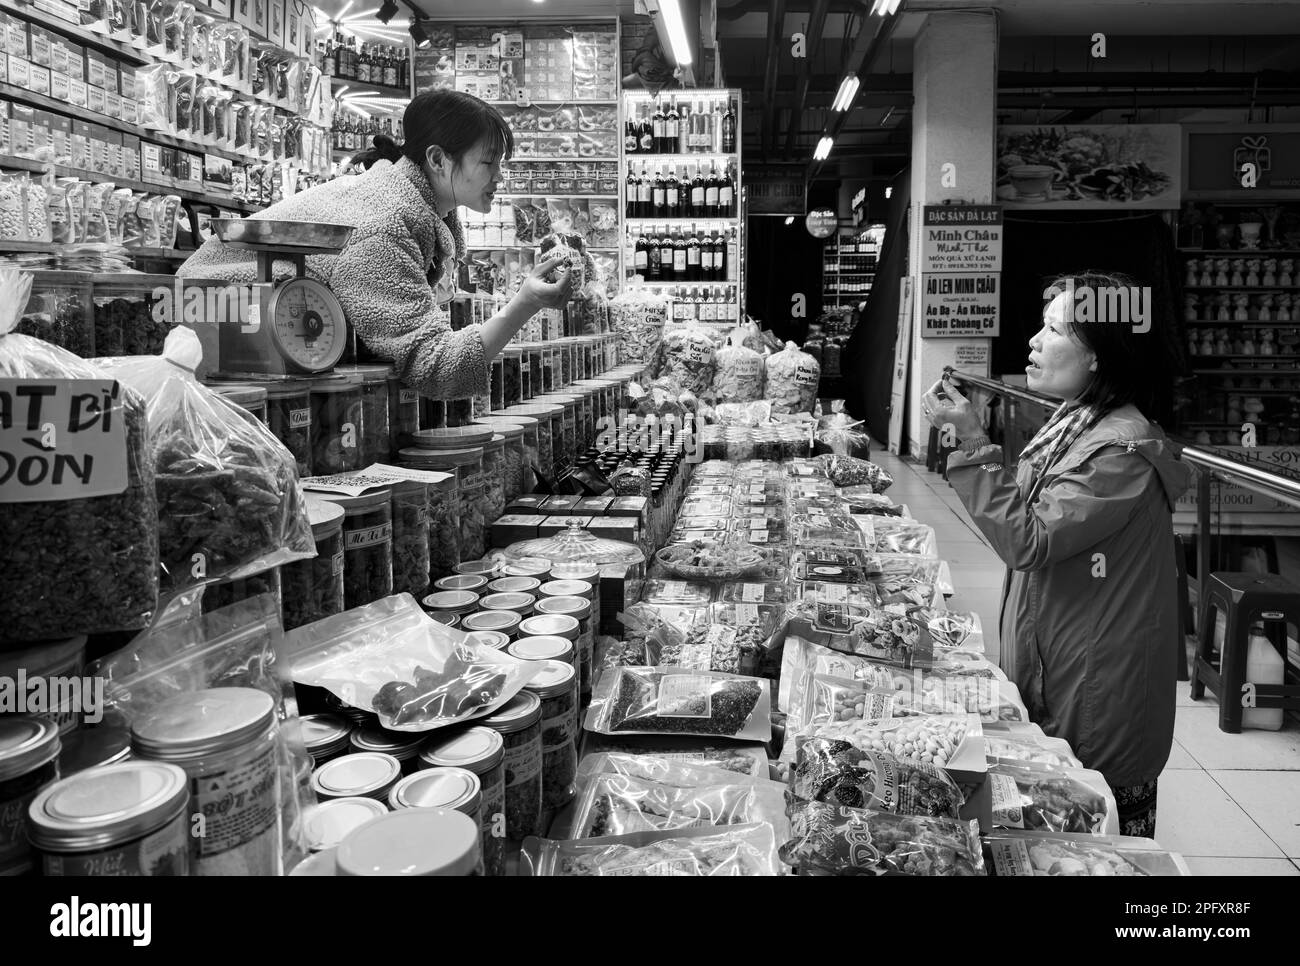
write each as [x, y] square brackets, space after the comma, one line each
[888, 192]
[789, 221]
[823, 149]
[671, 11]
[848, 90]
[885, 7]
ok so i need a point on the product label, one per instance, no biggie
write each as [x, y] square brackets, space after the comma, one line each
[805, 375]
[369, 537]
[1007, 811]
[239, 807]
[407, 397]
[77, 92]
[662, 867]
[160, 853]
[557, 730]
[684, 696]
[834, 593]
[300, 418]
[523, 760]
[61, 439]
[833, 618]
[753, 593]
[1012, 858]
[696, 353]
[336, 564]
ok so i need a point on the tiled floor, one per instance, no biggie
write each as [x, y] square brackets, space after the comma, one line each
[1229, 803]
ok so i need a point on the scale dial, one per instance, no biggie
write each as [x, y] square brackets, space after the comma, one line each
[307, 324]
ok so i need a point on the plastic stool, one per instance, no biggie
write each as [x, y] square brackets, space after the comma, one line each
[1245, 599]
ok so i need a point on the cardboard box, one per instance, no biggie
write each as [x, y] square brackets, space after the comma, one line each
[78, 92]
[562, 505]
[217, 174]
[529, 503]
[96, 99]
[61, 138]
[39, 80]
[38, 46]
[60, 55]
[4, 127]
[16, 37]
[126, 81]
[60, 84]
[151, 163]
[40, 134]
[553, 526]
[131, 157]
[616, 528]
[21, 118]
[20, 71]
[81, 144]
[76, 60]
[113, 105]
[4, 67]
[100, 156]
[514, 527]
[595, 506]
[115, 153]
[130, 110]
[96, 69]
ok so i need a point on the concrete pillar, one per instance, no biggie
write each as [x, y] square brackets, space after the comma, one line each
[954, 117]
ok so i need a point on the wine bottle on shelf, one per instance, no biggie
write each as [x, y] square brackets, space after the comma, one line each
[715, 128]
[645, 193]
[683, 145]
[693, 255]
[363, 64]
[673, 199]
[653, 256]
[729, 128]
[712, 190]
[392, 69]
[646, 134]
[658, 122]
[641, 257]
[672, 124]
[633, 192]
[666, 254]
[731, 256]
[659, 197]
[679, 255]
[631, 141]
[726, 194]
[326, 51]
[697, 193]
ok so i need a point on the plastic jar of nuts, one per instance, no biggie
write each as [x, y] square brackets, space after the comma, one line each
[336, 424]
[367, 545]
[557, 687]
[579, 608]
[483, 752]
[313, 589]
[495, 470]
[519, 722]
[410, 538]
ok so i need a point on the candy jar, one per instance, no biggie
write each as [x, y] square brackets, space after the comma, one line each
[1283, 308]
[1220, 271]
[1234, 410]
[1235, 279]
[1247, 346]
[1285, 278]
[1267, 345]
[1241, 312]
[1192, 273]
[1265, 311]
[1269, 278]
[1254, 409]
[1238, 344]
[1191, 305]
[1221, 344]
[1207, 273]
[1207, 343]
[1252, 272]
[1224, 314]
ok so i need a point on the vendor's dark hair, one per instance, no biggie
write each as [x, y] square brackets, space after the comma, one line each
[453, 120]
[1127, 361]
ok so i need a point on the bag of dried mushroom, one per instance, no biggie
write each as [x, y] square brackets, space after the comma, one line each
[229, 503]
[78, 519]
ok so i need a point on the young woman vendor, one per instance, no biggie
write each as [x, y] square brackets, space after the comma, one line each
[399, 267]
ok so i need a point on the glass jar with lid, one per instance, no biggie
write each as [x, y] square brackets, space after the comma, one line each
[512, 441]
[569, 416]
[336, 424]
[455, 602]
[413, 842]
[288, 414]
[367, 545]
[433, 413]
[131, 818]
[443, 511]
[376, 435]
[504, 622]
[312, 590]
[472, 582]
[326, 736]
[494, 476]
[467, 464]
[573, 574]
[483, 752]
[526, 567]
[557, 688]
[368, 774]
[410, 537]
[519, 722]
[564, 362]
[402, 745]
[460, 412]
[550, 432]
[529, 455]
[521, 604]
[330, 822]
[514, 585]
[227, 741]
[547, 365]
[543, 647]
[578, 608]
[621, 565]
[247, 396]
[455, 788]
[497, 384]
[29, 762]
[512, 376]
[403, 413]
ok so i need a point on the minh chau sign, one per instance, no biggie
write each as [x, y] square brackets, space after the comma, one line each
[959, 239]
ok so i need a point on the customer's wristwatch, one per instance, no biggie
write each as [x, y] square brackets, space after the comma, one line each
[975, 443]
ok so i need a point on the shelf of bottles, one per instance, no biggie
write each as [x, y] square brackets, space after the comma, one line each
[681, 199]
[849, 266]
[380, 77]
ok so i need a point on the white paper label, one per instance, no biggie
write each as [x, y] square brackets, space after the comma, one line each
[684, 696]
[754, 593]
[1007, 811]
[746, 614]
[835, 593]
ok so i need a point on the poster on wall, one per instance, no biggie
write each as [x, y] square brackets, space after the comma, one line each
[959, 305]
[961, 238]
[1090, 166]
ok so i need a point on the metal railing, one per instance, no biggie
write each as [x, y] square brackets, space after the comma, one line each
[1209, 466]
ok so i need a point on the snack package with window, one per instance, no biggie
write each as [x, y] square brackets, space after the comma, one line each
[76, 565]
[229, 503]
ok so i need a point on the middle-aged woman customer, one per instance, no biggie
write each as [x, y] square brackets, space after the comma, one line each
[399, 266]
[1089, 607]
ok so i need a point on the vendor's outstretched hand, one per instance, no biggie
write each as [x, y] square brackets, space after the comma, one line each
[948, 410]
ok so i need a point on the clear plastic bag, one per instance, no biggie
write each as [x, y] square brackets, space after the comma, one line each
[689, 358]
[836, 772]
[622, 804]
[229, 502]
[865, 500]
[903, 536]
[851, 471]
[736, 850]
[415, 673]
[1039, 749]
[671, 771]
[1062, 854]
[664, 700]
[75, 565]
[239, 646]
[739, 379]
[842, 434]
[1048, 799]
[833, 840]
[792, 380]
[930, 739]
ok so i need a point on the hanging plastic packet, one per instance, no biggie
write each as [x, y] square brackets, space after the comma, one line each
[97, 226]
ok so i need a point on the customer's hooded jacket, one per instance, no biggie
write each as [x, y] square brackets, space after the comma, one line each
[384, 278]
[1089, 608]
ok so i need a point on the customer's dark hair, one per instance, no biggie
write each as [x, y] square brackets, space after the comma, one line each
[453, 120]
[1124, 357]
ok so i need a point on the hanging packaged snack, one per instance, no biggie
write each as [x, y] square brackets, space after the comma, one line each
[828, 840]
[792, 380]
[81, 544]
[665, 700]
[706, 851]
[416, 674]
[837, 773]
[229, 504]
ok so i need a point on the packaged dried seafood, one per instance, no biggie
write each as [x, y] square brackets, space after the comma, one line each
[838, 773]
[654, 700]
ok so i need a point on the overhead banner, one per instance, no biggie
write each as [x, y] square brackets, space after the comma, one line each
[775, 189]
[961, 238]
[1095, 166]
[959, 305]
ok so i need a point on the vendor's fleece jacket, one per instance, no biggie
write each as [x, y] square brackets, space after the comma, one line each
[385, 275]
[1090, 605]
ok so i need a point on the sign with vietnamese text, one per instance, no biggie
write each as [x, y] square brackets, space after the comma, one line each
[961, 238]
[959, 305]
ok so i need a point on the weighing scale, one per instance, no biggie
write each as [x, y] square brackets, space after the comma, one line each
[293, 326]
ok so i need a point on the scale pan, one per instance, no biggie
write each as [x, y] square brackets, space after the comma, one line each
[285, 235]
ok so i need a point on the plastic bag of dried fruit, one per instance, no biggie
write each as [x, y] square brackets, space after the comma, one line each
[415, 673]
[229, 503]
[78, 520]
